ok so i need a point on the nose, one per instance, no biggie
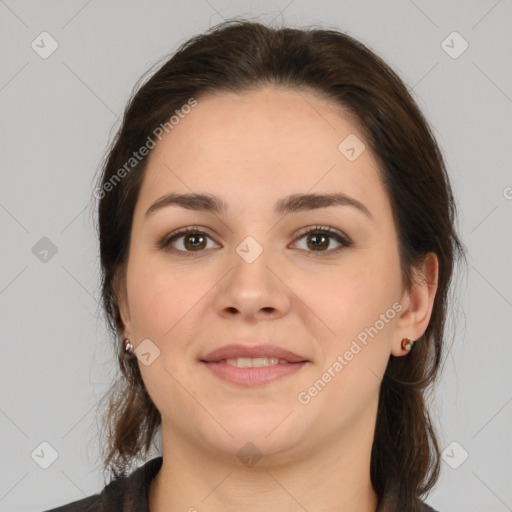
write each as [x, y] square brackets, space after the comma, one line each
[254, 286]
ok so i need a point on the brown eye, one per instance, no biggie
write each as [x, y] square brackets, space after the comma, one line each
[191, 240]
[319, 239]
[194, 241]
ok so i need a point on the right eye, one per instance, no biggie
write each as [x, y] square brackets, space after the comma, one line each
[193, 238]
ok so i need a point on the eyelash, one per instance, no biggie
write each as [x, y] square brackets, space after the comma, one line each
[194, 230]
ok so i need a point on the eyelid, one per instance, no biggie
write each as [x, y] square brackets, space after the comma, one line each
[324, 229]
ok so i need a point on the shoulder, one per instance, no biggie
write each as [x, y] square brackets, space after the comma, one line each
[125, 493]
[427, 508]
[88, 504]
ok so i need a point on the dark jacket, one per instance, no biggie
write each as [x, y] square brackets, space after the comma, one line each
[127, 494]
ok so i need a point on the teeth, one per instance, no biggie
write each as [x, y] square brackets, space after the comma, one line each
[248, 362]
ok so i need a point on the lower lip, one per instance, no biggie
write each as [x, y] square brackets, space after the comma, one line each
[255, 376]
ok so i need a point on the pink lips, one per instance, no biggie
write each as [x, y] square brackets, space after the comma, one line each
[235, 351]
[215, 361]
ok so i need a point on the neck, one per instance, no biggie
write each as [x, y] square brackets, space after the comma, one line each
[334, 477]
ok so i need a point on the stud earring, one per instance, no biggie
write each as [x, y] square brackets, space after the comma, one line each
[407, 344]
[128, 348]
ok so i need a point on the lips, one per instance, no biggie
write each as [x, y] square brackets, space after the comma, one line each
[236, 351]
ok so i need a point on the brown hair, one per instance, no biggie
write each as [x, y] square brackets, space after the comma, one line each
[239, 55]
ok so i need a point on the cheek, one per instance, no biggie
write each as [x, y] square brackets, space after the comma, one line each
[352, 337]
[350, 298]
[159, 297]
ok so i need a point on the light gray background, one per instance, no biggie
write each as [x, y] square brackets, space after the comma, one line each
[57, 116]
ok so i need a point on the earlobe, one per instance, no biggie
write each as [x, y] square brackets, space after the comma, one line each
[418, 303]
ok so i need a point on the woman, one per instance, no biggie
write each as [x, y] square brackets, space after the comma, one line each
[277, 242]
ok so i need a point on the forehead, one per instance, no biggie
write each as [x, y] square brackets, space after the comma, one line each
[261, 124]
[264, 142]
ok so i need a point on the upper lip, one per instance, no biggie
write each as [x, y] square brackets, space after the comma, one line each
[235, 351]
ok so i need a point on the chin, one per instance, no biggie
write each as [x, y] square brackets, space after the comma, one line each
[276, 433]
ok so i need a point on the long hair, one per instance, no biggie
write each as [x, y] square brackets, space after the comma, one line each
[240, 55]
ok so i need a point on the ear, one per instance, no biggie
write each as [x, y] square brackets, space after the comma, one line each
[417, 303]
[120, 291]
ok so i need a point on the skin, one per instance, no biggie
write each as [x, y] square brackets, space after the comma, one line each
[251, 150]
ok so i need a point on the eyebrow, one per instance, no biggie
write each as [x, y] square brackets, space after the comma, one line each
[289, 204]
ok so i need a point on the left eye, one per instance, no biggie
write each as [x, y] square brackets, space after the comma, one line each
[194, 240]
[320, 236]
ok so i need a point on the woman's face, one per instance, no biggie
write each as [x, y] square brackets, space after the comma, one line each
[254, 276]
